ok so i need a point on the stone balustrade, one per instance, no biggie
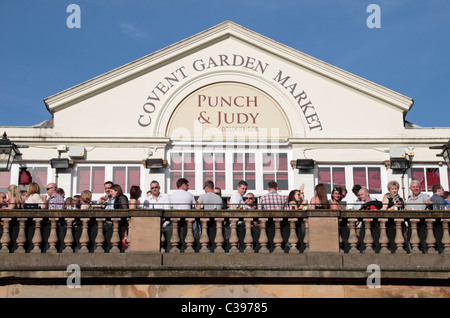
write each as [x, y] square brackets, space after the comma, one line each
[224, 231]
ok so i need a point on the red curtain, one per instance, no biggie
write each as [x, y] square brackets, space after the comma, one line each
[432, 178]
[83, 177]
[375, 180]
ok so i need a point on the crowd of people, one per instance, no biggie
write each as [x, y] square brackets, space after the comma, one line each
[181, 198]
[211, 199]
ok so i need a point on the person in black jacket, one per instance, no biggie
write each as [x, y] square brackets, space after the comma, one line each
[120, 199]
[367, 202]
[120, 203]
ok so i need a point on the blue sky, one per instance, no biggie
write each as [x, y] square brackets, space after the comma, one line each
[40, 56]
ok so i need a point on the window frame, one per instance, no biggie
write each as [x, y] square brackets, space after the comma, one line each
[109, 173]
[349, 180]
[260, 187]
[441, 171]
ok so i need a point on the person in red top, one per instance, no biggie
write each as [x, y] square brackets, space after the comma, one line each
[367, 202]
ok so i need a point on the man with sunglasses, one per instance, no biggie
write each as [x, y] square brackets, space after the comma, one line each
[156, 199]
[54, 202]
[250, 203]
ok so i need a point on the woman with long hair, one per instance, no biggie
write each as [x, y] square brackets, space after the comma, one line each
[86, 200]
[120, 202]
[320, 200]
[14, 198]
[336, 197]
[14, 201]
[120, 199]
[33, 199]
[296, 200]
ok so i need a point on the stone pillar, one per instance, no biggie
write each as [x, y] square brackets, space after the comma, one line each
[219, 239]
[263, 239]
[146, 234]
[431, 240]
[384, 240]
[353, 238]
[323, 231]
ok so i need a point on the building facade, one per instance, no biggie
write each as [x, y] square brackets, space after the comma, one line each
[228, 104]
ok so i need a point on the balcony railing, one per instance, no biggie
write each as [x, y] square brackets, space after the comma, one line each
[224, 231]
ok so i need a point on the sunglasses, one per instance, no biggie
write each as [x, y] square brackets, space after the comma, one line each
[50, 188]
[249, 198]
[154, 188]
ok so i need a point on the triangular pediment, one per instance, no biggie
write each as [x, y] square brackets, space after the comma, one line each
[142, 95]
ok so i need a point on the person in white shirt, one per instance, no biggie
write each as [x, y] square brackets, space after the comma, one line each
[107, 201]
[33, 200]
[357, 204]
[156, 199]
[236, 199]
[182, 199]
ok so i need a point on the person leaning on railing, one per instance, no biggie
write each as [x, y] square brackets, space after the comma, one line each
[438, 197]
[446, 197]
[392, 200]
[33, 199]
[135, 194]
[274, 201]
[418, 200]
[368, 203]
[14, 201]
[336, 197]
[319, 200]
[54, 202]
[121, 202]
[296, 199]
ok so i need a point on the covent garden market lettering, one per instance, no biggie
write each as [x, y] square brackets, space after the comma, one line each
[222, 61]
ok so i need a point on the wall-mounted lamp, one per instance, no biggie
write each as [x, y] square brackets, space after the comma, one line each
[8, 152]
[60, 163]
[400, 164]
[445, 152]
[303, 164]
[156, 163]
